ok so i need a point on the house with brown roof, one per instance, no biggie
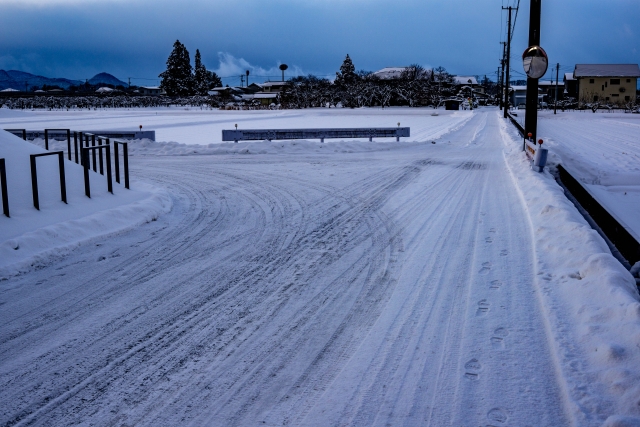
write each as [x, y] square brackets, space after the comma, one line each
[606, 83]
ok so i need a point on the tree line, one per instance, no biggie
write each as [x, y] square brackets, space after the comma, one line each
[414, 86]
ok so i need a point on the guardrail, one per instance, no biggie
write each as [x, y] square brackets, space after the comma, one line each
[61, 134]
[516, 124]
[617, 233]
[321, 134]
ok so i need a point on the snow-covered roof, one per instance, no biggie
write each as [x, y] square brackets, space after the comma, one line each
[270, 84]
[606, 70]
[465, 80]
[151, 87]
[9, 90]
[39, 91]
[518, 87]
[569, 76]
[389, 73]
[104, 90]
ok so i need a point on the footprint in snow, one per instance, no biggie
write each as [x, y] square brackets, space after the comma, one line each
[488, 240]
[483, 307]
[498, 415]
[497, 341]
[472, 369]
[495, 284]
[504, 252]
[486, 266]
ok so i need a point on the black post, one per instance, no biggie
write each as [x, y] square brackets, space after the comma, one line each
[63, 184]
[508, 59]
[69, 144]
[93, 154]
[3, 186]
[34, 182]
[46, 139]
[116, 160]
[24, 134]
[109, 183]
[125, 154]
[75, 145]
[85, 164]
[100, 154]
[531, 113]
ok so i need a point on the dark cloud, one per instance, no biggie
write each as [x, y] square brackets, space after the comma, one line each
[77, 39]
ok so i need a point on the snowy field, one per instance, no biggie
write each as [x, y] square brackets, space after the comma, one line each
[602, 150]
[435, 281]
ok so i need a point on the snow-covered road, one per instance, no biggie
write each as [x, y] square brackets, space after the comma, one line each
[378, 288]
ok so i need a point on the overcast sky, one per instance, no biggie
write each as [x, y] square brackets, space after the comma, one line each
[133, 38]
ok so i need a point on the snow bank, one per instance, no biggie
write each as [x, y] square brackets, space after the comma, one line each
[32, 238]
[590, 300]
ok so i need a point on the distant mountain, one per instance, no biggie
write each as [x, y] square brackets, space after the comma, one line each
[16, 80]
[106, 78]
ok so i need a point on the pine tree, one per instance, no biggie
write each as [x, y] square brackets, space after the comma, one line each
[177, 80]
[347, 72]
[203, 78]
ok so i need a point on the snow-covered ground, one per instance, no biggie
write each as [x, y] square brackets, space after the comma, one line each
[411, 283]
[602, 151]
[30, 238]
[204, 126]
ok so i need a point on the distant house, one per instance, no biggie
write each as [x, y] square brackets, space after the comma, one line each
[469, 81]
[517, 95]
[151, 90]
[272, 87]
[612, 83]
[570, 85]
[548, 90]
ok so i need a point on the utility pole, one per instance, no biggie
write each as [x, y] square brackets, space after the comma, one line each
[241, 80]
[503, 62]
[498, 88]
[531, 113]
[506, 101]
[555, 104]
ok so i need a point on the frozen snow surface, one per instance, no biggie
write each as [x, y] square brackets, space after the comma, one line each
[435, 281]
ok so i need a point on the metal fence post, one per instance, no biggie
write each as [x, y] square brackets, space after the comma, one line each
[63, 184]
[85, 164]
[125, 153]
[34, 183]
[3, 186]
[46, 139]
[109, 183]
[100, 155]
[93, 154]
[75, 145]
[69, 143]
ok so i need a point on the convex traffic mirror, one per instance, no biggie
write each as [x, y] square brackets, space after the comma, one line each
[535, 62]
